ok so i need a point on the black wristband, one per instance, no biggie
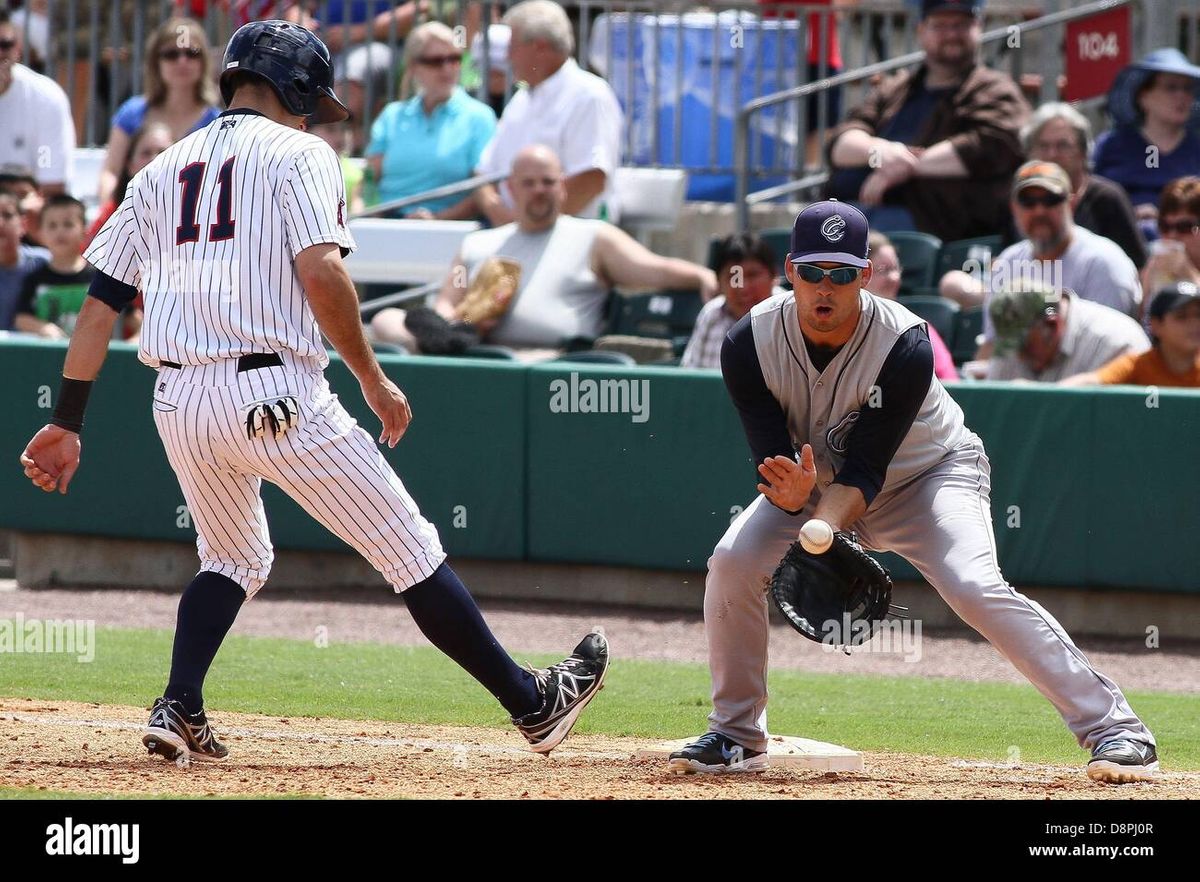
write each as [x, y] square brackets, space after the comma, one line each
[72, 402]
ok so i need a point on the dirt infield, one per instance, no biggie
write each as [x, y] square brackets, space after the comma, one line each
[90, 748]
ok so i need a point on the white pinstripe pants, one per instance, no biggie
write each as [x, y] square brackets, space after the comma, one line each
[327, 464]
[941, 523]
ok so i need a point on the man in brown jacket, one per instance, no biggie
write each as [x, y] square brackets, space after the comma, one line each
[934, 148]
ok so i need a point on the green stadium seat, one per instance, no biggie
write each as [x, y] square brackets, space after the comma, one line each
[780, 240]
[968, 325]
[490, 351]
[954, 255]
[665, 315]
[918, 254]
[938, 311]
[597, 356]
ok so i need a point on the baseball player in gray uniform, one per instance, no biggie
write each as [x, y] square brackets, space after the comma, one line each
[236, 235]
[836, 393]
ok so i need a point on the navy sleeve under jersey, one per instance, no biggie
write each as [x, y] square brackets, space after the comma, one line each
[111, 291]
[762, 417]
[903, 383]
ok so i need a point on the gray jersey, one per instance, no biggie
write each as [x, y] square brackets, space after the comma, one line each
[822, 407]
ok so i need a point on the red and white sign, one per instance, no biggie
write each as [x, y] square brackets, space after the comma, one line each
[1097, 48]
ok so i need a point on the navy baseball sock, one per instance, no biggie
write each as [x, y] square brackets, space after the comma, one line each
[447, 615]
[206, 612]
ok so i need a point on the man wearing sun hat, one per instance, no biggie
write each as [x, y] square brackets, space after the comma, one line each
[848, 425]
[1155, 108]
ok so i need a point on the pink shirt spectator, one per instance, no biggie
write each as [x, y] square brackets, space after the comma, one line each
[943, 361]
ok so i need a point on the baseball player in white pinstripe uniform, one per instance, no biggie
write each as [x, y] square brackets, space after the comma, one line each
[848, 425]
[235, 236]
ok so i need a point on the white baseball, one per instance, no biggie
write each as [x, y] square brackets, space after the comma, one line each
[816, 536]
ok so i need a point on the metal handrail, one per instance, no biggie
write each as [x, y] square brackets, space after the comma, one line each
[418, 293]
[435, 193]
[741, 134]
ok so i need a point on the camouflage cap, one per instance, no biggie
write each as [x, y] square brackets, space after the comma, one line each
[1016, 307]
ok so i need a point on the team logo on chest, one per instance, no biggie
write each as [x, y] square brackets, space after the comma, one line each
[836, 437]
[834, 228]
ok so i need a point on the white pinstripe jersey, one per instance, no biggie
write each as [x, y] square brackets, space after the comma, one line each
[208, 231]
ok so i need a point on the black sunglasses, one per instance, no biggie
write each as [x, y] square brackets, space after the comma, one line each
[1050, 200]
[7, 45]
[1179, 228]
[841, 275]
[440, 60]
[175, 54]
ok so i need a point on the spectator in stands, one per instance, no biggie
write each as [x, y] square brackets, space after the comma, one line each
[37, 131]
[17, 260]
[934, 148]
[147, 142]
[434, 138]
[568, 267]
[52, 295]
[822, 40]
[1174, 359]
[1054, 251]
[360, 35]
[34, 25]
[339, 136]
[1047, 334]
[569, 110]
[180, 91]
[497, 66]
[22, 183]
[1059, 133]
[1156, 115]
[1176, 256]
[885, 282]
[746, 267]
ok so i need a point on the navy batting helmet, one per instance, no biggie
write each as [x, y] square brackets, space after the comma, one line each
[293, 60]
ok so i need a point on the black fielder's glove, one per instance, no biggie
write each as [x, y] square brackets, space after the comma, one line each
[836, 598]
[435, 335]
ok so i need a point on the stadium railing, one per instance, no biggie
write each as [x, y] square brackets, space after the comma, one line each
[1155, 23]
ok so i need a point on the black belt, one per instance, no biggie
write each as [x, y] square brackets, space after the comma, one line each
[251, 362]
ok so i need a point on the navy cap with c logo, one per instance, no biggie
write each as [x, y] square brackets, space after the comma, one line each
[830, 231]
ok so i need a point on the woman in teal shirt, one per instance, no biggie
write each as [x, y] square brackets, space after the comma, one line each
[434, 138]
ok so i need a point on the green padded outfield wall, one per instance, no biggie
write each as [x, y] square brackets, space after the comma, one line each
[462, 457]
[1095, 488]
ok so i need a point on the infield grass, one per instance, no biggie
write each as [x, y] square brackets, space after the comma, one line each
[996, 722]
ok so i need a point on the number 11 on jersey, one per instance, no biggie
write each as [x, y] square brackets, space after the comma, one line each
[191, 177]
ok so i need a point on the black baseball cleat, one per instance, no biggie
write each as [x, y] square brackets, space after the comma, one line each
[714, 754]
[178, 736]
[1123, 761]
[566, 688]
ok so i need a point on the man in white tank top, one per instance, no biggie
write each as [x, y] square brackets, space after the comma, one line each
[568, 267]
[836, 392]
